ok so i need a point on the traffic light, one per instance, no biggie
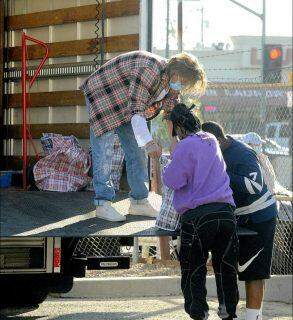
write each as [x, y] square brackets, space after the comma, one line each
[273, 57]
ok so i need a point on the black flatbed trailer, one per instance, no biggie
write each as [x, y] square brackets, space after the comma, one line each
[42, 213]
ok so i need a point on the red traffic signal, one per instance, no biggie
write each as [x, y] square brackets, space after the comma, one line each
[273, 57]
[275, 53]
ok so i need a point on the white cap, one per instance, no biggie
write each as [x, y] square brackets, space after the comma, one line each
[253, 138]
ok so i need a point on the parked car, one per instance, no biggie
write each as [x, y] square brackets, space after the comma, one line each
[279, 132]
[270, 147]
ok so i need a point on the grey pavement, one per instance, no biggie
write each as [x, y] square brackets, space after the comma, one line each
[151, 308]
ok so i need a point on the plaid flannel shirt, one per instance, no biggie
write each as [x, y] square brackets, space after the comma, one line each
[126, 85]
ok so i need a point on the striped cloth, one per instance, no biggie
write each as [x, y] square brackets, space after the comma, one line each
[47, 142]
[168, 218]
[117, 163]
[126, 85]
[65, 166]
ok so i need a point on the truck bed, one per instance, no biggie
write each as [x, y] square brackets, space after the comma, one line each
[40, 213]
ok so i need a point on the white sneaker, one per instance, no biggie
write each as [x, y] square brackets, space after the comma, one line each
[149, 207]
[107, 212]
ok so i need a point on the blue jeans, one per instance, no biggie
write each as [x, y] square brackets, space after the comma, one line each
[136, 164]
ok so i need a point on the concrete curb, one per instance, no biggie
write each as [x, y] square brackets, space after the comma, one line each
[278, 289]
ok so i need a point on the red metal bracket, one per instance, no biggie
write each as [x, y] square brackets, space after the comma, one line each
[24, 78]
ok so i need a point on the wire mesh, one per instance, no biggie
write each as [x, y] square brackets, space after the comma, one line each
[266, 109]
[149, 248]
[282, 262]
[263, 108]
[249, 106]
[98, 247]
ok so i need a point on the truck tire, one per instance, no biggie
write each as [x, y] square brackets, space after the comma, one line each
[23, 291]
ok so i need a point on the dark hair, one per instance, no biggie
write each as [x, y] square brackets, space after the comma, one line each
[182, 117]
[214, 128]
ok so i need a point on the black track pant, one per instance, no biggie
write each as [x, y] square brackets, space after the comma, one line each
[207, 228]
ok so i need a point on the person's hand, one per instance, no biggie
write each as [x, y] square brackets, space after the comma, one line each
[153, 149]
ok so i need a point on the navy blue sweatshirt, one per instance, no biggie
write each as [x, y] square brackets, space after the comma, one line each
[250, 193]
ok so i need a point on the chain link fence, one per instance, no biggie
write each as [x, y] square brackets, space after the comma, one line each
[251, 106]
[266, 109]
[145, 248]
[282, 262]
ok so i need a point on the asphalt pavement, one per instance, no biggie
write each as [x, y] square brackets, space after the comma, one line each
[156, 308]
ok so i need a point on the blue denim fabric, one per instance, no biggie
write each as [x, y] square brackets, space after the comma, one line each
[136, 164]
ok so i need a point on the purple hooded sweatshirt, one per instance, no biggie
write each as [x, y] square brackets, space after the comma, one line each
[197, 173]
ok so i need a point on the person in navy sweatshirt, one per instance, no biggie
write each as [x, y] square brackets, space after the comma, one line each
[202, 195]
[256, 210]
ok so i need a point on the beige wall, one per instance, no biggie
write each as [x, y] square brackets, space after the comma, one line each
[66, 32]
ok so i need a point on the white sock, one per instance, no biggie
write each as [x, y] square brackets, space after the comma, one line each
[253, 314]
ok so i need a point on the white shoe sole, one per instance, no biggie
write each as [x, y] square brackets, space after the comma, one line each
[120, 219]
[133, 212]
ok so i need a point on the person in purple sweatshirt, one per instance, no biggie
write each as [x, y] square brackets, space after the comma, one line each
[202, 195]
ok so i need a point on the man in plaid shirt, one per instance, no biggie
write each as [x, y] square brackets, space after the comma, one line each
[121, 96]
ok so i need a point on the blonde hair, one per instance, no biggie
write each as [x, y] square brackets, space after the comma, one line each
[188, 66]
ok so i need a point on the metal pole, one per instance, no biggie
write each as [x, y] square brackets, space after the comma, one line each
[102, 43]
[202, 26]
[262, 16]
[167, 31]
[3, 7]
[263, 37]
[150, 25]
[150, 49]
[24, 105]
[135, 254]
[263, 42]
[24, 76]
[165, 248]
[180, 26]
[246, 8]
